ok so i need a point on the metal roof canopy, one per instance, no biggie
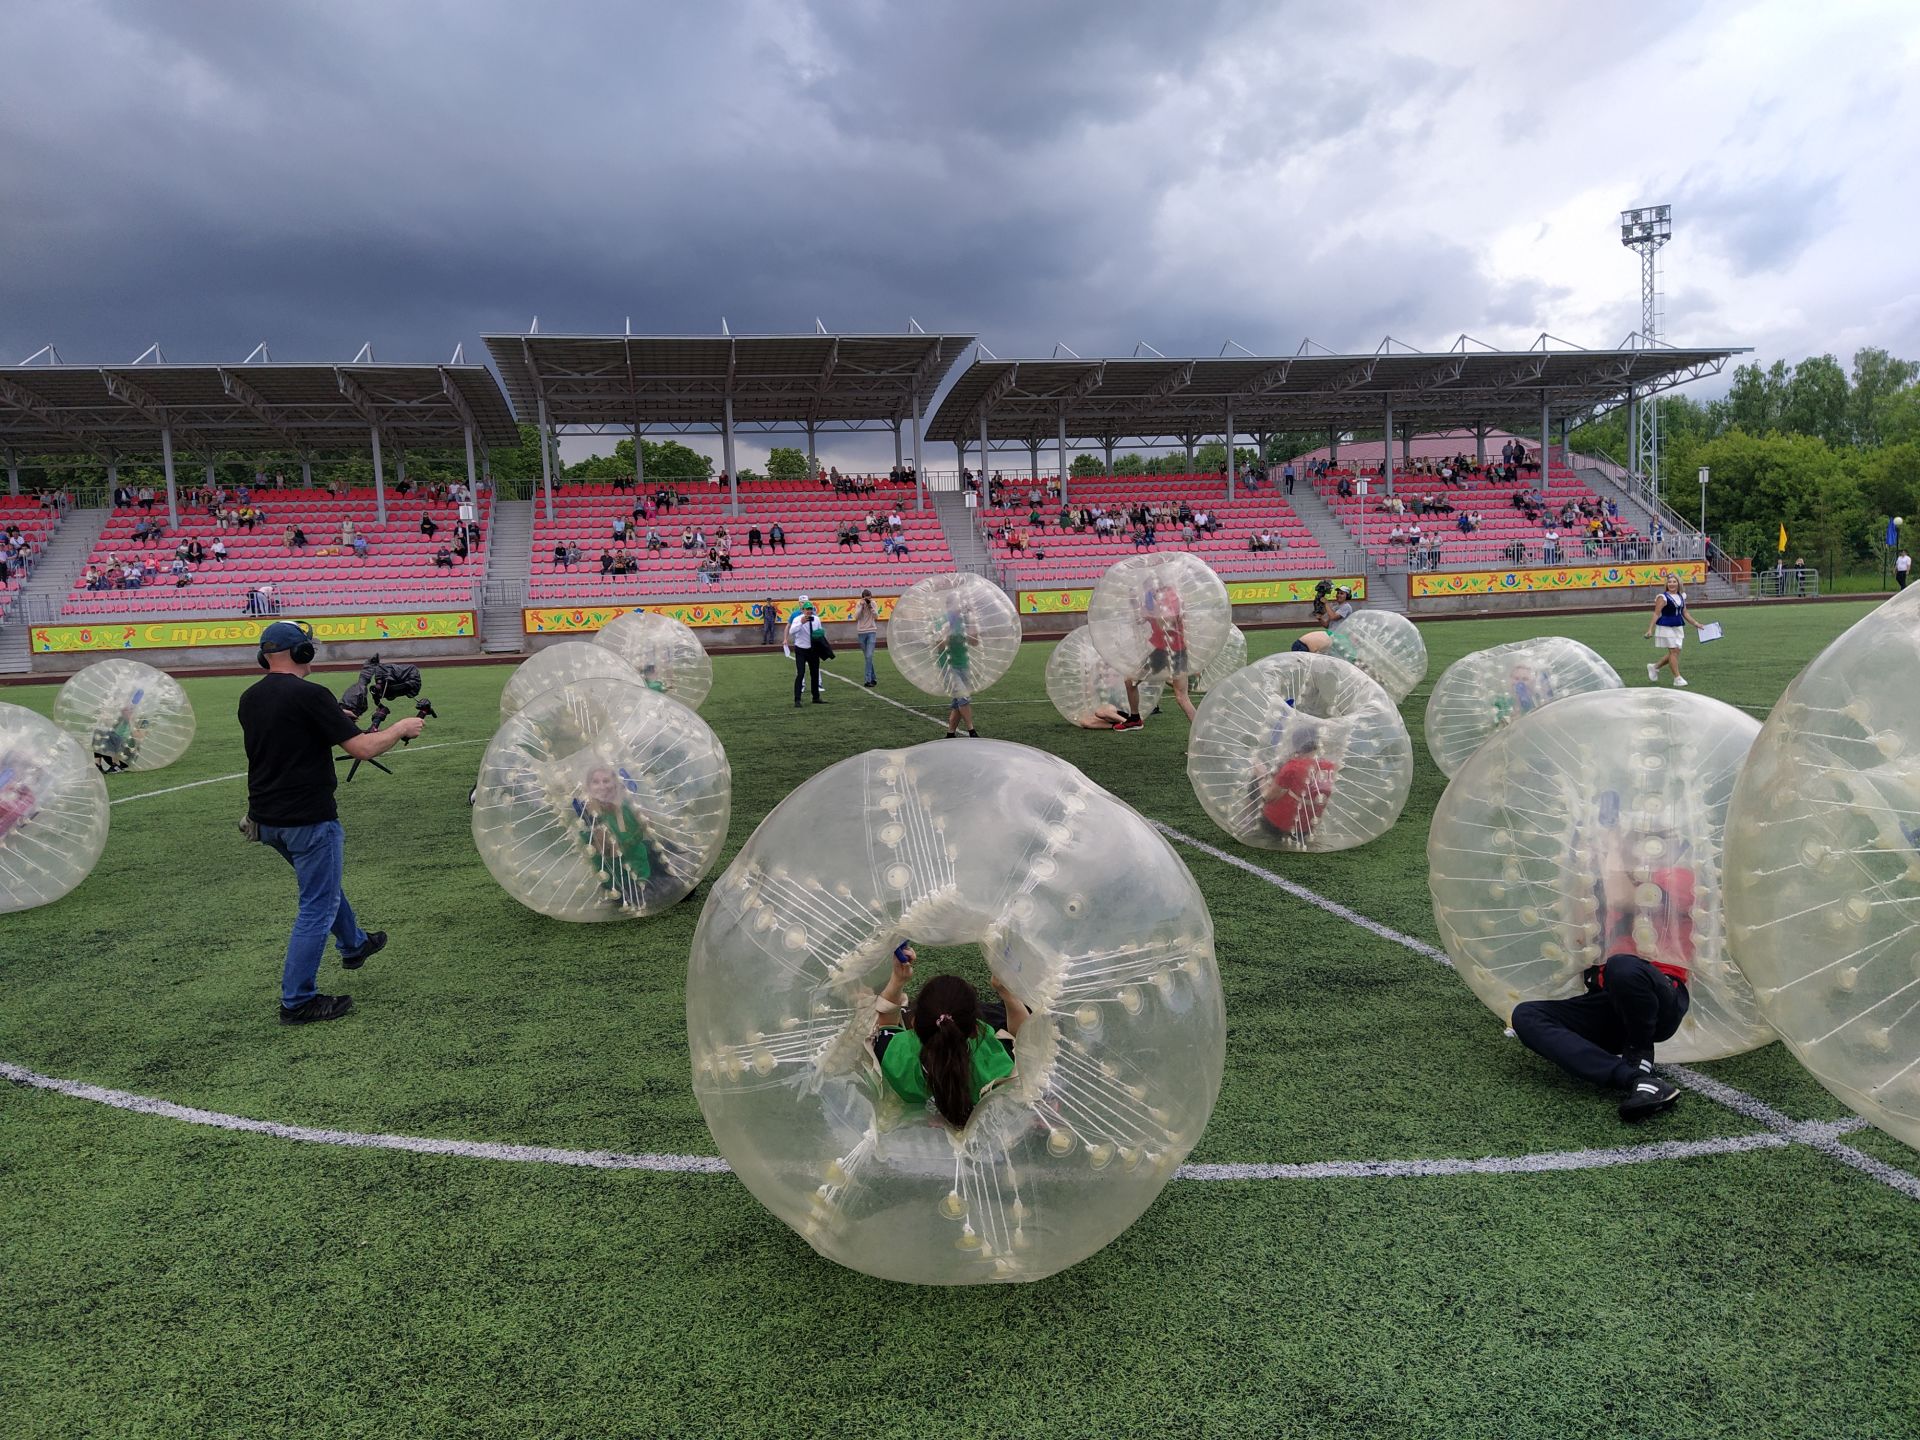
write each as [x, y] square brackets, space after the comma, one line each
[1156, 398]
[118, 410]
[724, 384]
[115, 412]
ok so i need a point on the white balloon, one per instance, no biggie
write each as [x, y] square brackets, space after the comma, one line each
[1084, 687]
[1593, 827]
[53, 810]
[603, 801]
[550, 670]
[1300, 752]
[1823, 851]
[1490, 689]
[1385, 645]
[664, 651]
[1159, 615]
[953, 634]
[1079, 907]
[126, 715]
[1232, 657]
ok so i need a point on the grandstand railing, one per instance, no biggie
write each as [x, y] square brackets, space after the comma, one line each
[49, 609]
[1450, 550]
[1789, 584]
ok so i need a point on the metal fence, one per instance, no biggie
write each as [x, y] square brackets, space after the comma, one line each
[1787, 583]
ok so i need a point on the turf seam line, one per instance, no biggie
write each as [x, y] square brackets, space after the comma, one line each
[1545, 1162]
[241, 774]
[1820, 1141]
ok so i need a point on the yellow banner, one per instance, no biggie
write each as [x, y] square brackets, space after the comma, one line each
[1436, 583]
[184, 634]
[584, 619]
[1298, 590]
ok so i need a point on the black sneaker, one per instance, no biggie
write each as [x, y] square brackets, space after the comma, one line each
[1649, 1096]
[320, 1007]
[819, 699]
[376, 942]
[953, 734]
[974, 733]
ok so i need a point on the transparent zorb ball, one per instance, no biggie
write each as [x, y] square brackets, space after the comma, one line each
[1385, 645]
[1490, 689]
[664, 651]
[1161, 615]
[603, 801]
[1823, 860]
[1300, 752]
[548, 671]
[126, 715]
[1086, 690]
[1591, 828]
[1076, 903]
[1232, 657]
[953, 634]
[53, 810]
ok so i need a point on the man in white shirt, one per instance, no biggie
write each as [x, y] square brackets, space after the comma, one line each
[1902, 567]
[806, 658]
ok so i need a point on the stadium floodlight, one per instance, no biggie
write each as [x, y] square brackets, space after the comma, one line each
[1646, 230]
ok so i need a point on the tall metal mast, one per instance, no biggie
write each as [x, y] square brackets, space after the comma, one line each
[1646, 230]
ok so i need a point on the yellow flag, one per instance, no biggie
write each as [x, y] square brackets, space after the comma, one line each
[1783, 537]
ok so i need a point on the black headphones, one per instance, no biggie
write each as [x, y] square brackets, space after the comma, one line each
[302, 653]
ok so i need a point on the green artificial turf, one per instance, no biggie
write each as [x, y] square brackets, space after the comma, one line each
[161, 1278]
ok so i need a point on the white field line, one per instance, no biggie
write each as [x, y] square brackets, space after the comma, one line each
[1820, 1139]
[241, 774]
[1548, 1162]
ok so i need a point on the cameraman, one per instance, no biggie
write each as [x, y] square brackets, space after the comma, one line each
[291, 726]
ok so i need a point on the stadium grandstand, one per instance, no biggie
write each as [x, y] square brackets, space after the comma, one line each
[576, 554]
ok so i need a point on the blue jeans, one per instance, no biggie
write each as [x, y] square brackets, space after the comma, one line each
[867, 643]
[318, 854]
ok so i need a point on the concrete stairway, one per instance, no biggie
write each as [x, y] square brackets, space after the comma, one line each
[39, 600]
[503, 591]
[1386, 589]
[961, 526]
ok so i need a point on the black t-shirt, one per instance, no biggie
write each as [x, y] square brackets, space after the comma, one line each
[291, 726]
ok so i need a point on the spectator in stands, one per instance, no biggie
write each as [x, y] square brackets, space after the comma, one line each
[295, 538]
[562, 556]
[699, 538]
[1550, 552]
[753, 539]
[92, 579]
[894, 522]
[895, 547]
[606, 562]
[219, 551]
[427, 527]
[656, 542]
[849, 536]
[776, 539]
[443, 558]
[122, 498]
[1287, 476]
[146, 497]
[1345, 487]
[1468, 522]
[686, 538]
[873, 522]
[724, 553]
[619, 529]
[248, 516]
[460, 548]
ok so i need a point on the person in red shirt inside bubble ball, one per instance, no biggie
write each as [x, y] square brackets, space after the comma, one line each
[1638, 995]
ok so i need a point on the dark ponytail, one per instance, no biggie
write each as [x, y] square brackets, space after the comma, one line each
[945, 1016]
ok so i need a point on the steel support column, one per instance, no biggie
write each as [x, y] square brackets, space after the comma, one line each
[726, 448]
[919, 468]
[1109, 449]
[899, 459]
[1406, 447]
[985, 452]
[399, 463]
[1480, 446]
[1230, 459]
[813, 458]
[380, 483]
[546, 460]
[113, 475]
[1386, 451]
[1546, 439]
[1033, 462]
[166, 463]
[1333, 445]
[1063, 455]
[639, 461]
[467, 432]
[306, 471]
[13, 472]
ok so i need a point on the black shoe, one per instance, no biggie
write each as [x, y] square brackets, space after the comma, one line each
[796, 704]
[819, 699]
[872, 684]
[1649, 1096]
[953, 734]
[320, 1007]
[974, 733]
[376, 942]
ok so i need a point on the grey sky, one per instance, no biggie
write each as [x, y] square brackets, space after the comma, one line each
[209, 175]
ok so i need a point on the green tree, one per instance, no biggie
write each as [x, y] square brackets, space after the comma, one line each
[1817, 402]
[786, 462]
[1877, 378]
[1758, 397]
[1085, 466]
[1129, 464]
[517, 462]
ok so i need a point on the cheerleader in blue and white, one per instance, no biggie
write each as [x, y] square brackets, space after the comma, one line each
[1668, 630]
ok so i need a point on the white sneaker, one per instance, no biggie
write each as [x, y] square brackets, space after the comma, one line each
[1653, 673]
[1679, 682]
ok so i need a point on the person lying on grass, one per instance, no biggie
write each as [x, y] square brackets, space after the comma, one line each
[953, 1048]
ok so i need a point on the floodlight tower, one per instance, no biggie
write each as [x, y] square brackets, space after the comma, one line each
[1646, 230]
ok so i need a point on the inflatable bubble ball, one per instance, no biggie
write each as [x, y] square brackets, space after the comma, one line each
[1490, 689]
[1163, 615]
[126, 715]
[1823, 859]
[1232, 657]
[552, 669]
[667, 654]
[602, 801]
[1300, 752]
[1086, 690]
[1385, 645]
[1076, 906]
[953, 635]
[53, 810]
[1593, 827]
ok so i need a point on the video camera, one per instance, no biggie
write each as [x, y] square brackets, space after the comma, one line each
[376, 684]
